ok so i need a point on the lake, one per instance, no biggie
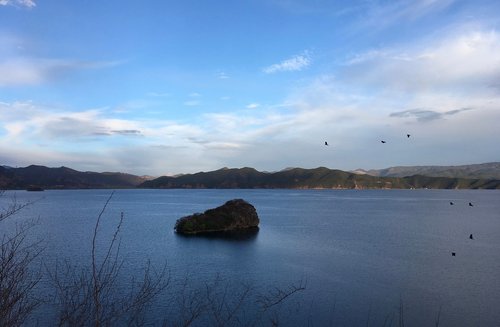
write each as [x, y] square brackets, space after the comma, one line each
[362, 255]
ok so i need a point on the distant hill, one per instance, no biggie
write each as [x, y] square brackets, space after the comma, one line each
[290, 178]
[63, 178]
[318, 178]
[477, 171]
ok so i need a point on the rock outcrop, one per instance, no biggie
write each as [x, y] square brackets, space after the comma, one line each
[234, 215]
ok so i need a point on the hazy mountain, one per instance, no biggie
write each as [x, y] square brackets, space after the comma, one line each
[479, 171]
[63, 178]
[298, 178]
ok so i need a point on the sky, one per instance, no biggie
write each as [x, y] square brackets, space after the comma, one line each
[162, 87]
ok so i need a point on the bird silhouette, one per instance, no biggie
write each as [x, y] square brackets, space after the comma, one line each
[470, 204]
[326, 143]
[382, 141]
[471, 237]
[451, 203]
[408, 135]
[453, 254]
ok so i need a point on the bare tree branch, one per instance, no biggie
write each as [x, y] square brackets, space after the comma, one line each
[92, 298]
[278, 295]
[17, 277]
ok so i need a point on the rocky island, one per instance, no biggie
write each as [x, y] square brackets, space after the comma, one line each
[234, 215]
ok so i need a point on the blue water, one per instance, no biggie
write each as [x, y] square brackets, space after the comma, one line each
[363, 255]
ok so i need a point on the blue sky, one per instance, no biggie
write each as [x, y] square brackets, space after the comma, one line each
[166, 87]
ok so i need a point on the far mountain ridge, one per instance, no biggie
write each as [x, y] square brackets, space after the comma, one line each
[317, 178]
[64, 178]
[490, 170]
[248, 177]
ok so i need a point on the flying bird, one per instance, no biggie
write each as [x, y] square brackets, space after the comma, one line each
[382, 141]
[470, 204]
[453, 254]
[471, 237]
[408, 135]
[451, 203]
[326, 143]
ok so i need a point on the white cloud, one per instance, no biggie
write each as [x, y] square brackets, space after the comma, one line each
[222, 75]
[470, 60]
[426, 114]
[18, 3]
[295, 63]
[253, 106]
[33, 71]
[27, 122]
[411, 88]
[373, 14]
[385, 13]
[25, 72]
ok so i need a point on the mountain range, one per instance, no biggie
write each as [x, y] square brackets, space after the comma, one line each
[481, 176]
[63, 178]
[489, 170]
[317, 178]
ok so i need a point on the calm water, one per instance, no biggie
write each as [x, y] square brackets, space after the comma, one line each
[361, 253]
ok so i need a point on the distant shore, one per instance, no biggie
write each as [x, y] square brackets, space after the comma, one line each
[41, 177]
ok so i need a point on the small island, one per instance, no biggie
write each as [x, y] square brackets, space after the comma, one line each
[234, 215]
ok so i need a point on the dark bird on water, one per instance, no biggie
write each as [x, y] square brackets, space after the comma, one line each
[382, 141]
[453, 254]
[470, 204]
[326, 143]
[408, 135]
[471, 237]
[451, 203]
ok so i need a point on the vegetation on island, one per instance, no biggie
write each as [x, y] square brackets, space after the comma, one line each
[234, 215]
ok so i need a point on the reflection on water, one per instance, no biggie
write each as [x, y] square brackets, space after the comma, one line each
[245, 235]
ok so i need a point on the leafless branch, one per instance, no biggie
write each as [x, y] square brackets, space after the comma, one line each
[278, 295]
[92, 297]
[17, 277]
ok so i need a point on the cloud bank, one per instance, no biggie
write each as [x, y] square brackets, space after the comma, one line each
[468, 60]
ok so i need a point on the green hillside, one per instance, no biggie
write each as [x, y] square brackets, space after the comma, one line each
[318, 178]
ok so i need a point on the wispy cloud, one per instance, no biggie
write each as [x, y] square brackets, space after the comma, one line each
[382, 14]
[126, 132]
[18, 3]
[194, 99]
[33, 71]
[26, 121]
[295, 63]
[468, 59]
[371, 14]
[222, 75]
[426, 115]
[253, 106]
